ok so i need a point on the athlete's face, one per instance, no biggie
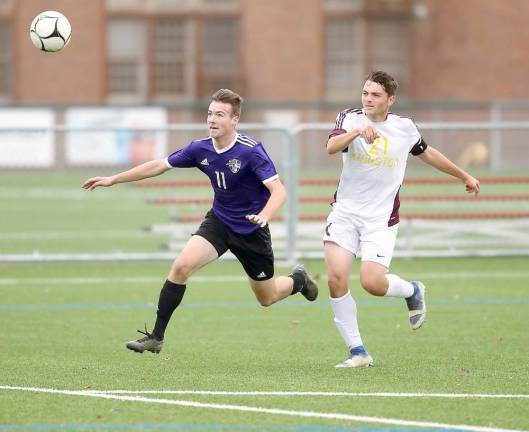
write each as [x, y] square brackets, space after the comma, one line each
[376, 101]
[221, 121]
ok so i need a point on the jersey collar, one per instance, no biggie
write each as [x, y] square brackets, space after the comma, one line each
[372, 121]
[225, 149]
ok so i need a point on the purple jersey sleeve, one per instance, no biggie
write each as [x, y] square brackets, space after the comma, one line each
[262, 165]
[183, 158]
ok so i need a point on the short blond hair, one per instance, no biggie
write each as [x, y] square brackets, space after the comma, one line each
[230, 97]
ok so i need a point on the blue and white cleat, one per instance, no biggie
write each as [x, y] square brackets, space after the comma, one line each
[358, 358]
[417, 305]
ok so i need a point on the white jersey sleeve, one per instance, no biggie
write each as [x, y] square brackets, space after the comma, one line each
[345, 121]
[417, 144]
[349, 123]
[412, 131]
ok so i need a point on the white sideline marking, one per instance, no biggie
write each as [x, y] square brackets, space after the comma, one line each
[242, 278]
[226, 407]
[315, 393]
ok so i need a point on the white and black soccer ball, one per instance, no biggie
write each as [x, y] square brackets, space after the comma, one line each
[50, 31]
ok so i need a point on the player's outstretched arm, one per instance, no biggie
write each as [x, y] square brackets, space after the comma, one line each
[278, 196]
[145, 170]
[438, 160]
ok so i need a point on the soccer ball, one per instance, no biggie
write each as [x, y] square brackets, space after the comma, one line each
[50, 31]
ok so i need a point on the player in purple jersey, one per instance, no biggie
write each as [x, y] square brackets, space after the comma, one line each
[239, 175]
[248, 193]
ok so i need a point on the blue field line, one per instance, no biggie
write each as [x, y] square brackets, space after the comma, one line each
[207, 427]
[249, 305]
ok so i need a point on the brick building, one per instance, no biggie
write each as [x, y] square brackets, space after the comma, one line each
[306, 55]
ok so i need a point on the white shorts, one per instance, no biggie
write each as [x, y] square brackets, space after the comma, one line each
[374, 242]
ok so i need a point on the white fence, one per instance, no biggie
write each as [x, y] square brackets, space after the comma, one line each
[299, 153]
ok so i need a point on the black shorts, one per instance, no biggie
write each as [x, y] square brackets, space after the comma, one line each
[254, 250]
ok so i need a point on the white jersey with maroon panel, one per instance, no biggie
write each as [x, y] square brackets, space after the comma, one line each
[373, 173]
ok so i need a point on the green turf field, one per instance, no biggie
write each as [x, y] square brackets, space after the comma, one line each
[64, 326]
[229, 364]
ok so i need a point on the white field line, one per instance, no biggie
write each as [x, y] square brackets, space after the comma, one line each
[315, 393]
[273, 411]
[242, 278]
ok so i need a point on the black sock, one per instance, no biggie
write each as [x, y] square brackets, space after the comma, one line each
[170, 297]
[299, 282]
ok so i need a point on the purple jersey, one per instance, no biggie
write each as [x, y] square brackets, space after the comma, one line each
[237, 174]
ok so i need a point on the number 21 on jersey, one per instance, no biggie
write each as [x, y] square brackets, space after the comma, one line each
[375, 149]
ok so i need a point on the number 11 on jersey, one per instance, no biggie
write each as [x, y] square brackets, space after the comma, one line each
[221, 179]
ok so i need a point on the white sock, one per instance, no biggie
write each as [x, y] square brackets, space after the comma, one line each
[345, 319]
[398, 287]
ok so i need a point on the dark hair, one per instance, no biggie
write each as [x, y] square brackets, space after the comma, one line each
[389, 83]
[229, 97]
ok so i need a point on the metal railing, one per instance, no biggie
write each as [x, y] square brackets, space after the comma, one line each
[300, 151]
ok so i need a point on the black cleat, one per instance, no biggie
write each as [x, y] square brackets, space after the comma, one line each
[310, 289]
[147, 343]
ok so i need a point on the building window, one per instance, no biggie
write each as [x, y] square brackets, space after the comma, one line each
[389, 49]
[5, 61]
[127, 75]
[126, 4]
[220, 65]
[344, 67]
[167, 4]
[172, 4]
[169, 58]
[172, 67]
[344, 5]
[357, 44]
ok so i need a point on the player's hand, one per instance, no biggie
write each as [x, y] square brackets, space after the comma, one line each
[94, 182]
[472, 185]
[258, 220]
[369, 133]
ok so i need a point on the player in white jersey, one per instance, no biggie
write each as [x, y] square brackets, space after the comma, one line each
[364, 220]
